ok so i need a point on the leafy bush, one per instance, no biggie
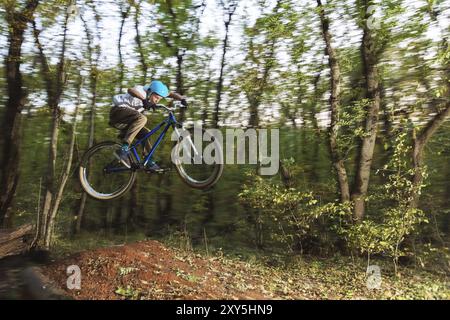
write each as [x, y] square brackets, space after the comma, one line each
[399, 219]
[288, 212]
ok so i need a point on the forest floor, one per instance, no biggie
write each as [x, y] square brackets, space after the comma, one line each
[150, 270]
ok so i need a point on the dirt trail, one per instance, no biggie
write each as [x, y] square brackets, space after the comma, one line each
[149, 270]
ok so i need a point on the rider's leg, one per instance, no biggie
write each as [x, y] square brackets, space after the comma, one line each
[147, 145]
[132, 118]
[134, 122]
[151, 165]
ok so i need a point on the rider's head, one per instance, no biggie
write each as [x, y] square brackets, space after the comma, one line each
[156, 90]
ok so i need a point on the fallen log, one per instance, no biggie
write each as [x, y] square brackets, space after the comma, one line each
[14, 242]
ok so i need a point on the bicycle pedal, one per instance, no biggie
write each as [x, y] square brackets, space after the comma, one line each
[160, 171]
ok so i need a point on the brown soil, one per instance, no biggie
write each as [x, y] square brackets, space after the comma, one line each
[149, 270]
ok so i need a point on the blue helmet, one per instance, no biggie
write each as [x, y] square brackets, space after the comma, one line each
[157, 87]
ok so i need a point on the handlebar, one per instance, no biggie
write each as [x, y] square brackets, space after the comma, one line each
[176, 104]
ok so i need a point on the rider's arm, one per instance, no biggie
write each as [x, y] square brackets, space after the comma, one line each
[176, 96]
[135, 93]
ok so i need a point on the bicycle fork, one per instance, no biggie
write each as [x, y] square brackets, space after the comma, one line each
[187, 146]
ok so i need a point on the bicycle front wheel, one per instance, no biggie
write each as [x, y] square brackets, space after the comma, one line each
[199, 163]
[101, 175]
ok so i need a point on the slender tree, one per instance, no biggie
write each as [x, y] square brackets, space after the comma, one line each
[335, 75]
[125, 8]
[17, 21]
[140, 47]
[229, 7]
[422, 137]
[370, 58]
[54, 81]
[67, 168]
[93, 52]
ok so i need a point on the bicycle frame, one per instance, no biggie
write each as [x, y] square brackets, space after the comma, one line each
[169, 122]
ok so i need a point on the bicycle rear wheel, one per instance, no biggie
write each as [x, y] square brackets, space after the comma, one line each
[192, 166]
[101, 175]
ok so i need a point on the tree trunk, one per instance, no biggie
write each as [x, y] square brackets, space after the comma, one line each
[93, 62]
[133, 207]
[418, 170]
[388, 129]
[161, 219]
[180, 82]
[54, 81]
[220, 81]
[315, 176]
[254, 115]
[17, 23]
[66, 174]
[205, 100]
[109, 219]
[211, 208]
[364, 164]
[118, 217]
[124, 14]
[58, 199]
[49, 183]
[166, 211]
[338, 161]
[286, 176]
[138, 39]
[421, 140]
[168, 199]
[231, 10]
[418, 151]
[254, 98]
[80, 212]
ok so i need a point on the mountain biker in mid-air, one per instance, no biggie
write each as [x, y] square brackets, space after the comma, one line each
[127, 116]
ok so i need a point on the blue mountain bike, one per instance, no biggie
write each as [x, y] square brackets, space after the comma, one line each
[103, 177]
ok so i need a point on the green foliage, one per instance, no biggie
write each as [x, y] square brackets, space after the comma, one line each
[399, 220]
[123, 271]
[280, 23]
[51, 10]
[261, 46]
[177, 22]
[350, 122]
[288, 212]
[128, 292]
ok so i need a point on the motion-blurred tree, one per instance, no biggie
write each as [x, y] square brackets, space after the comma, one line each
[17, 21]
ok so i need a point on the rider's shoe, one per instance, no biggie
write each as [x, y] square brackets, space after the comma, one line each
[152, 166]
[123, 155]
